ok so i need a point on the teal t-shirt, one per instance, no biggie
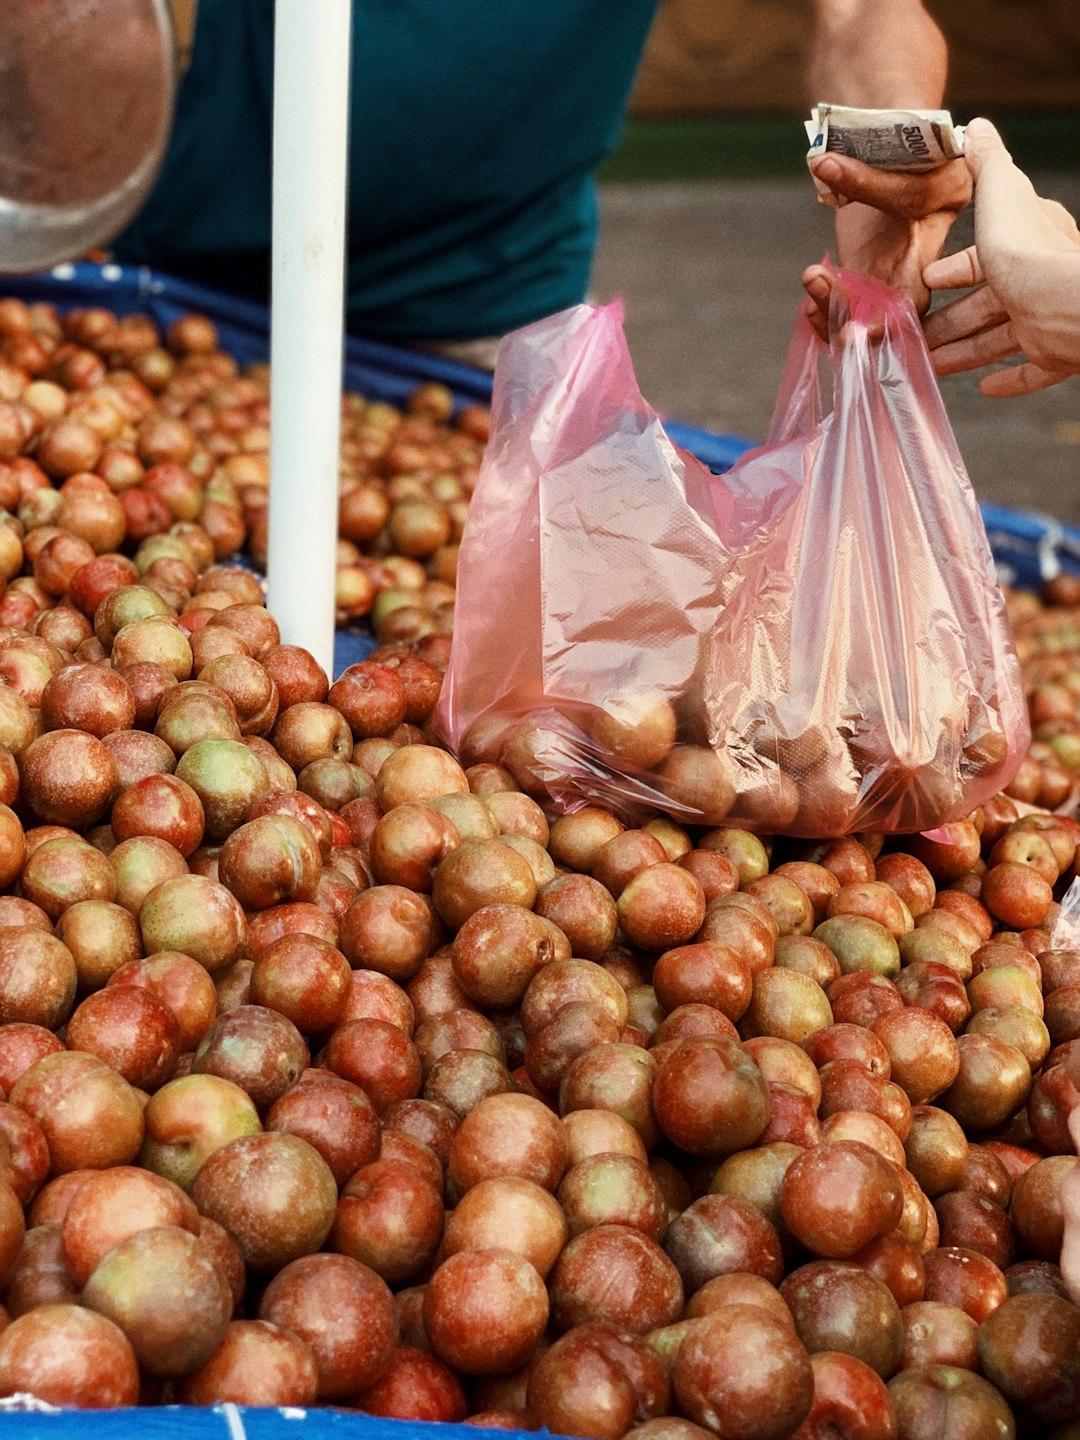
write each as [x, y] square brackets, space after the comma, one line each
[475, 129]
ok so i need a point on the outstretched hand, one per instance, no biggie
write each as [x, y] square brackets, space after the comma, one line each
[889, 225]
[1025, 265]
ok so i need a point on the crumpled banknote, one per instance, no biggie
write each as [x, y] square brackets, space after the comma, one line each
[897, 140]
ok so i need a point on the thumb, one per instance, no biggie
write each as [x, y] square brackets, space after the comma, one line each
[1009, 217]
[981, 144]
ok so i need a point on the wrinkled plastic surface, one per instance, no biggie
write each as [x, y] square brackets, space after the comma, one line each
[813, 643]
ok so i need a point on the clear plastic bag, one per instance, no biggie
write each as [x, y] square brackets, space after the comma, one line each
[812, 643]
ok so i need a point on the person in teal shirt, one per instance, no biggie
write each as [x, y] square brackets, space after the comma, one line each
[476, 127]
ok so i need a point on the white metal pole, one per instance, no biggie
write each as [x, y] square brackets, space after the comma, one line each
[311, 114]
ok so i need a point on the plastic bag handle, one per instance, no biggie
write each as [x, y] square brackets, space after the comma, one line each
[861, 309]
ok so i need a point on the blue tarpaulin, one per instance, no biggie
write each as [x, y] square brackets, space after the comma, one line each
[230, 1422]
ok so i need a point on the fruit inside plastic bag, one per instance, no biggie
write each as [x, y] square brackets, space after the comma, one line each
[813, 643]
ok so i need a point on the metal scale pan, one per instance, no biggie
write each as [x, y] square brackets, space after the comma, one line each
[86, 101]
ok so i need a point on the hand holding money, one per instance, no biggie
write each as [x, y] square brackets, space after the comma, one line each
[907, 192]
[910, 142]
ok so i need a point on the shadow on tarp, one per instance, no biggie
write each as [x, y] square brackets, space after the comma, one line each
[1028, 548]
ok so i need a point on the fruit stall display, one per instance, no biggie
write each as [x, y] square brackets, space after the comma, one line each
[338, 1072]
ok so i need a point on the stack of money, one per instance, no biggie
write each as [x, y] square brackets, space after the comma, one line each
[913, 140]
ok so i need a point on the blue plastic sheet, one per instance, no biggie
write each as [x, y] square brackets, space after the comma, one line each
[232, 1422]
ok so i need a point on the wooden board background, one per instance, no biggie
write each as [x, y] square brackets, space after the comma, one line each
[711, 57]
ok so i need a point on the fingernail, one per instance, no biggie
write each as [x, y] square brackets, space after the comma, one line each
[828, 169]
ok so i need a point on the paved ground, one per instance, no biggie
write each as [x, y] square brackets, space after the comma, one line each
[710, 273]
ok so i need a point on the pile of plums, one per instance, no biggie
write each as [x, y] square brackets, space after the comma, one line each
[1047, 634]
[336, 1070]
[118, 434]
[337, 1073]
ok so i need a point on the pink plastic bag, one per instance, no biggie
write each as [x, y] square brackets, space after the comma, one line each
[813, 643]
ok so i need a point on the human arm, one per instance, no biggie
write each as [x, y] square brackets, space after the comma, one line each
[1025, 264]
[868, 54]
[882, 56]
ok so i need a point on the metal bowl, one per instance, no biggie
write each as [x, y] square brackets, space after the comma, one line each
[86, 102]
